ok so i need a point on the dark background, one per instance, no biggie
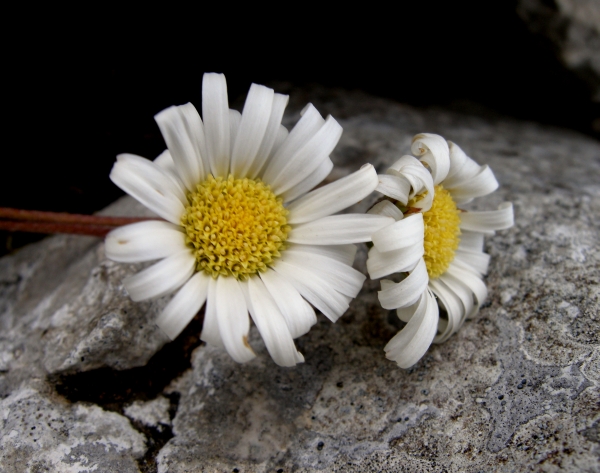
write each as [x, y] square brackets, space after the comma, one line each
[84, 86]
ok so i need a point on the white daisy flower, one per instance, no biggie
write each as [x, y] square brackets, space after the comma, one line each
[244, 233]
[434, 244]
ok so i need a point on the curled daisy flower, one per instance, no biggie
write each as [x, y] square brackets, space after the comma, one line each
[243, 231]
[436, 247]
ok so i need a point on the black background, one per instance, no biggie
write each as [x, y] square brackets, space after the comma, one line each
[82, 87]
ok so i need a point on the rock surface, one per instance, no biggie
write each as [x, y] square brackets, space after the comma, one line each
[87, 383]
[573, 28]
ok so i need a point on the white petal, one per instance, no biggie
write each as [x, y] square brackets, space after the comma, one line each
[394, 186]
[410, 344]
[280, 138]
[272, 325]
[341, 277]
[210, 327]
[165, 161]
[471, 279]
[161, 278]
[233, 320]
[406, 292]
[309, 182]
[255, 118]
[183, 132]
[274, 135]
[434, 151]
[396, 261]
[387, 209]
[308, 125]
[338, 229]
[299, 314]
[462, 167]
[334, 197]
[184, 306]
[308, 158]
[144, 241]
[149, 185]
[478, 260]
[404, 233]
[483, 183]
[315, 290]
[464, 294]
[455, 311]
[342, 253]
[488, 221]
[215, 112]
[471, 241]
[418, 176]
[235, 119]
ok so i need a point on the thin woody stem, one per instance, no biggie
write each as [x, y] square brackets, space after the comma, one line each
[63, 217]
[36, 221]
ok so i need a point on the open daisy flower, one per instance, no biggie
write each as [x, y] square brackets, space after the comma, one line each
[437, 247]
[243, 231]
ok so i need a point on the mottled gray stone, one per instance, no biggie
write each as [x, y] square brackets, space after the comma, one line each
[516, 389]
[573, 27]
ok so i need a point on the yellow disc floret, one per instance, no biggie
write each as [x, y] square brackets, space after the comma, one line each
[235, 227]
[442, 231]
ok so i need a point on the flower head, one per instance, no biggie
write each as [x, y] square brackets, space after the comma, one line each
[244, 232]
[435, 245]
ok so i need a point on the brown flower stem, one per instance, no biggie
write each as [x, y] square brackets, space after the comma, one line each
[36, 221]
[63, 217]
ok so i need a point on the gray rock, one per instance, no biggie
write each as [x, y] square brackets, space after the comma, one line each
[515, 390]
[573, 27]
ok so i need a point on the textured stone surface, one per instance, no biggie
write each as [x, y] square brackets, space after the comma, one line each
[516, 389]
[573, 27]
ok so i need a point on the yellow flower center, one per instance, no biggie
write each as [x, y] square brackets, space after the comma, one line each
[442, 231]
[235, 227]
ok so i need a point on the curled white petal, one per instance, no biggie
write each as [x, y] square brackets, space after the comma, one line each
[455, 312]
[272, 325]
[386, 209]
[144, 241]
[462, 168]
[383, 264]
[161, 278]
[406, 292]
[483, 183]
[184, 305]
[334, 197]
[404, 233]
[434, 151]
[478, 260]
[410, 344]
[394, 186]
[488, 221]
